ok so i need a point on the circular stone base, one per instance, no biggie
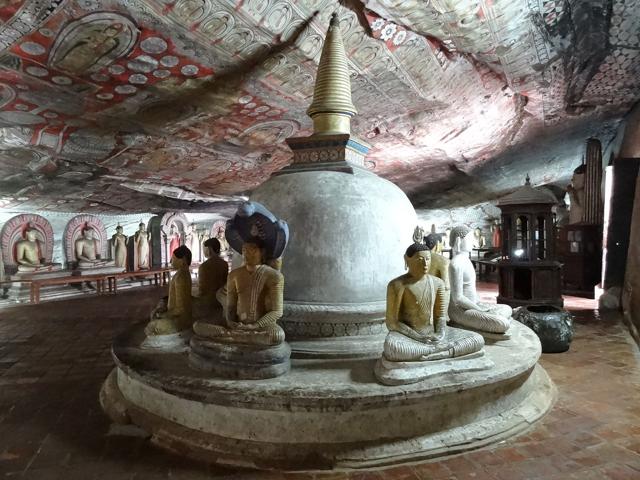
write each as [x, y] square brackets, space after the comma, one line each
[327, 413]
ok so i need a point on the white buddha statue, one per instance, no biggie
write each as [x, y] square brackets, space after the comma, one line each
[142, 260]
[119, 242]
[464, 307]
[86, 250]
[28, 254]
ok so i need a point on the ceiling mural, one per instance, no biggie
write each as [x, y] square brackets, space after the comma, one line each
[146, 105]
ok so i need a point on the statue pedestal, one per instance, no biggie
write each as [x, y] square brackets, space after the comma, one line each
[233, 361]
[106, 270]
[402, 372]
[322, 414]
[173, 342]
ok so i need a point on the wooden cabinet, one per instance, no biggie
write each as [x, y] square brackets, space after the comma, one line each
[580, 251]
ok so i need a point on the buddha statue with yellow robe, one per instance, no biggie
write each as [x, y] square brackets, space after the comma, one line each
[174, 315]
[416, 317]
[212, 273]
[248, 342]
[254, 304]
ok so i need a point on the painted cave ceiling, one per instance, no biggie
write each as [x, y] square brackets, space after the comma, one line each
[147, 105]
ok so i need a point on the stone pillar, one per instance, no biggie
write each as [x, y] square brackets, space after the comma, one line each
[593, 184]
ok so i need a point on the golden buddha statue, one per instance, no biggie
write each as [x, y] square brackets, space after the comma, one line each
[254, 303]
[439, 265]
[174, 315]
[212, 273]
[417, 316]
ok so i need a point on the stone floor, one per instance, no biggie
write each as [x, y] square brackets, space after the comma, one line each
[54, 356]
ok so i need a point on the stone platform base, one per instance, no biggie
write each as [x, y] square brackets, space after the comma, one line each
[326, 414]
[98, 271]
[173, 342]
[248, 362]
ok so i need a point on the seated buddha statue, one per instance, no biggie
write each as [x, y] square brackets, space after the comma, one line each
[254, 303]
[174, 314]
[417, 316]
[465, 309]
[28, 254]
[86, 250]
[213, 272]
[439, 265]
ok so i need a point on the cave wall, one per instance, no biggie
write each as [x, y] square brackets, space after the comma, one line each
[480, 215]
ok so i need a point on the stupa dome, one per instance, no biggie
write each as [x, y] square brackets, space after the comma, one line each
[349, 232]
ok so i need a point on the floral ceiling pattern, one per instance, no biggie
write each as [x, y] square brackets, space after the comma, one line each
[148, 105]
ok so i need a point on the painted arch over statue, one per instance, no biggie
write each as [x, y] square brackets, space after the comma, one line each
[76, 228]
[14, 230]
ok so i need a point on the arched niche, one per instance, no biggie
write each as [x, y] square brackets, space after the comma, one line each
[75, 229]
[14, 230]
[160, 228]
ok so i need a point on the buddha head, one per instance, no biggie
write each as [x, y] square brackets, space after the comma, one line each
[461, 238]
[253, 253]
[418, 259]
[431, 240]
[31, 234]
[181, 257]
[89, 233]
[142, 227]
[211, 247]
[118, 229]
[172, 229]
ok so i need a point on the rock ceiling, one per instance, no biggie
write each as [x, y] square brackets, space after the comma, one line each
[143, 105]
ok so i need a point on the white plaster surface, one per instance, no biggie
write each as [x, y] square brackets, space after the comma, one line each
[349, 233]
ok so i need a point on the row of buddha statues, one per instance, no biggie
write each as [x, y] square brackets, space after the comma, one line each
[27, 245]
[236, 334]
[480, 238]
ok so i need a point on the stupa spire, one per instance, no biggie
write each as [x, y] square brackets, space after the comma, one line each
[332, 108]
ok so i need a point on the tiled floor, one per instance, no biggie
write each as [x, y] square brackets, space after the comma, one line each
[54, 356]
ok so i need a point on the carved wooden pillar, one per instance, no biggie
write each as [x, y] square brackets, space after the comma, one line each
[593, 183]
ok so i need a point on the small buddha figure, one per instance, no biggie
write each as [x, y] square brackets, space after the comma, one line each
[174, 239]
[86, 250]
[496, 235]
[119, 242]
[464, 308]
[28, 254]
[141, 249]
[254, 303]
[439, 265]
[417, 317]
[418, 234]
[212, 273]
[445, 238]
[174, 314]
[478, 239]
[576, 195]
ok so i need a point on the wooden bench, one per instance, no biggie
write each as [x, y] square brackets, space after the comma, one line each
[36, 283]
[160, 277]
